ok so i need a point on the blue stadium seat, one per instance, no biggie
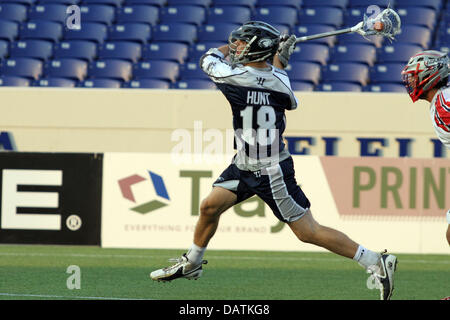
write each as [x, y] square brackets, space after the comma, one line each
[4, 49]
[415, 35]
[9, 30]
[443, 36]
[339, 86]
[353, 16]
[301, 86]
[192, 70]
[385, 87]
[114, 3]
[97, 13]
[194, 84]
[200, 48]
[434, 4]
[44, 30]
[100, 83]
[216, 32]
[348, 38]
[284, 29]
[386, 72]
[444, 23]
[397, 53]
[80, 49]
[125, 50]
[341, 4]
[13, 11]
[91, 31]
[156, 69]
[157, 3]
[110, 69]
[307, 30]
[245, 3]
[181, 32]
[203, 3]
[311, 52]
[304, 71]
[297, 4]
[346, 71]
[26, 2]
[418, 16]
[130, 31]
[22, 67]
[65, 2]
[147, 84]
[49, 11]
[276, 14]
[183, 13]
[228, 14]
[39, 49]
[174, 51]
[321, 15]
[138, 13]
[54, 82]
[13, 81]
[70, 68]
[366, 3]
[362, 53]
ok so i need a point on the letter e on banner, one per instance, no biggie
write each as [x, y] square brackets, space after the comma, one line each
[11, 199]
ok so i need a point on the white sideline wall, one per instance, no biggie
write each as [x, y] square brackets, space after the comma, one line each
[137, 120]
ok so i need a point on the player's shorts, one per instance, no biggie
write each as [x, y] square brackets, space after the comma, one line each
[275, 185]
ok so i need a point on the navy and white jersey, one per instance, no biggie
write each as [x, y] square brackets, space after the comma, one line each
[258, 99]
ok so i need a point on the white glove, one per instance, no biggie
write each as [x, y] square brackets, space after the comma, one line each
[286, 48]
[448, 216]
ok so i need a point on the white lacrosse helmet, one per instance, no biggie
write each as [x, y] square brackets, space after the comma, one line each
[424, 71]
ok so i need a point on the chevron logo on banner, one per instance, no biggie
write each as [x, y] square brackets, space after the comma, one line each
[157, 181]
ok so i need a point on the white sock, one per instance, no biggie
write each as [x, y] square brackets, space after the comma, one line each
[366, 257]
[195, 254]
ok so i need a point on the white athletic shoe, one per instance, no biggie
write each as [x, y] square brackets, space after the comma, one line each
[384, 274]
[182, 268]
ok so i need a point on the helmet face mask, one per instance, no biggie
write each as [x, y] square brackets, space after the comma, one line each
[261, 42]
[423, 71]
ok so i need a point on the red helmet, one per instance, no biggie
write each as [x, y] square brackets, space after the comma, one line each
[423, 71]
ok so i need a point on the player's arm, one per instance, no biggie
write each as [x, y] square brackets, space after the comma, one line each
[214, 63]
[225, 49]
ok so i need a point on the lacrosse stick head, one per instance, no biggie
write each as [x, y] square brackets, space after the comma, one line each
[387, 23]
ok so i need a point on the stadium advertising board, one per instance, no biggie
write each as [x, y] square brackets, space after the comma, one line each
[153, 201]
[50, 198]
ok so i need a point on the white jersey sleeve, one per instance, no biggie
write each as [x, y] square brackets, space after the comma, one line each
[440, 115]
[214, 64]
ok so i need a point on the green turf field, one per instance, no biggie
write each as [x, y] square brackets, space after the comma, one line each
[39, 272]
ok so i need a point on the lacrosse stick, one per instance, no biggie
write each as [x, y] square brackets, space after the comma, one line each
[387, 23]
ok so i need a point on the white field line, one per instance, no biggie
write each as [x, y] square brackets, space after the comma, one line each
[5, 294]
[212, 257]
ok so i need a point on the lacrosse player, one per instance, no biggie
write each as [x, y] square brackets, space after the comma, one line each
[259, 94]
[426, 78]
